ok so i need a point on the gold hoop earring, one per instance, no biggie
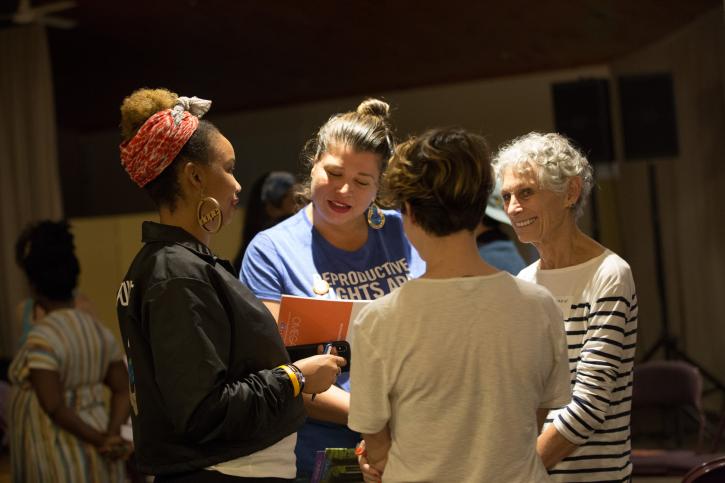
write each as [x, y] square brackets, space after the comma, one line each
[216, 212]
[376, 217]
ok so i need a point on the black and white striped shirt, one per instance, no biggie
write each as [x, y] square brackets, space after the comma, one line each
[599, 304]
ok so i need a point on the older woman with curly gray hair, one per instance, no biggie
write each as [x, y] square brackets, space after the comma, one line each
[545, 184]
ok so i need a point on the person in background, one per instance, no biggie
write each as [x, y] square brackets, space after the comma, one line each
[60, 428]
[342, 245]
[271, 200]
[214, 396]
[28, 312]
[454, 372]
[494, 245]
[545, 182]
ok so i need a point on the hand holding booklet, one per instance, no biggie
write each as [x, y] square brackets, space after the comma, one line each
[304, 320]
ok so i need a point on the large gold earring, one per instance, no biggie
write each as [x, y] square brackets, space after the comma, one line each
[376, 217]
[216, 212]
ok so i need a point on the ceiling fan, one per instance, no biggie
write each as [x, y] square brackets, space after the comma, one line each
[42, 14]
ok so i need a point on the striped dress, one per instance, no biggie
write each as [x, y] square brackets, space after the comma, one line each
[80, 350]
[599, 304]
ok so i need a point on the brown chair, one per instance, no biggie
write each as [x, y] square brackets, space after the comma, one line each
[711, 472]
[673, 388]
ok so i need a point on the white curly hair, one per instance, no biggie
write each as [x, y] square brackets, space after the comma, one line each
[555, 157]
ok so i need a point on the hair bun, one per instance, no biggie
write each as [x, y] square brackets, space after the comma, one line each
[374, 107]
[141, 105]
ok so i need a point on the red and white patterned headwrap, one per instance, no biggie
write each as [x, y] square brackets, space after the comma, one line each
[160, 139]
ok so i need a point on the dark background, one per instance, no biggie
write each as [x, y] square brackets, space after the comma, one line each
[248, 55]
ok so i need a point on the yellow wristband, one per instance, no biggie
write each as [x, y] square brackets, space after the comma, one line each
[292, 377]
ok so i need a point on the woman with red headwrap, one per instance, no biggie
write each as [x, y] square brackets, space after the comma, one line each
[213, 394]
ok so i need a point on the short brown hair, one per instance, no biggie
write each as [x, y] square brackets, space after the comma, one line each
[445, 176]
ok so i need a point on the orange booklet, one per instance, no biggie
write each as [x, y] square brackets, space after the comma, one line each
[304, 320]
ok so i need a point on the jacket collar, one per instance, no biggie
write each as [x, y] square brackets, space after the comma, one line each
[156, 232]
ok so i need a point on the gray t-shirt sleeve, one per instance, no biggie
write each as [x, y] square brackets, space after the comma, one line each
[369, 402]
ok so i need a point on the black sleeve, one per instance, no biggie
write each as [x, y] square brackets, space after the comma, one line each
[189, 333]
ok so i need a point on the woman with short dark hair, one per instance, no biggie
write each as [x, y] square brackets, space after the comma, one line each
[451, 370]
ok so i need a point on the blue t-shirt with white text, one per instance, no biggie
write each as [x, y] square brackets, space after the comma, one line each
[292, 257]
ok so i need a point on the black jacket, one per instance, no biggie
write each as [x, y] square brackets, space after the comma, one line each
[201, 350]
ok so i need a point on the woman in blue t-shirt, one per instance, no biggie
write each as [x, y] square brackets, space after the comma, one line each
[340, 246]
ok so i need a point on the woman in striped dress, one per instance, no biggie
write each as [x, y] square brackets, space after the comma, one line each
[60, 427]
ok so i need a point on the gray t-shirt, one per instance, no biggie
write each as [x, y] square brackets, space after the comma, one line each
[457, 368]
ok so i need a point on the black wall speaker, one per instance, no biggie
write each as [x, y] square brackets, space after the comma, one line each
[581, 113]
[648, 116]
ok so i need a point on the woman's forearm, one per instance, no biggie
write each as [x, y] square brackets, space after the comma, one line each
[332, 405]
[553, 447]
[117, 381]
[120, 409]
[69, 420]
[377, 446]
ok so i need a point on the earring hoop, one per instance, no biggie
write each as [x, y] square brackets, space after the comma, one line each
[376, 217]
[216, 212]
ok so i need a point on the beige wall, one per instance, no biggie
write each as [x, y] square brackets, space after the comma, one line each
[499, 108]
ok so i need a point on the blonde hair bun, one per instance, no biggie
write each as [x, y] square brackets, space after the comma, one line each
[374, 107]
[141, 105]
